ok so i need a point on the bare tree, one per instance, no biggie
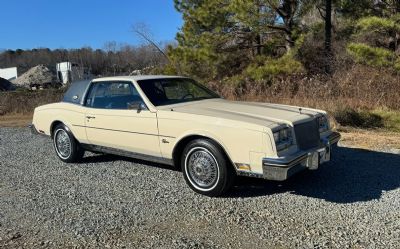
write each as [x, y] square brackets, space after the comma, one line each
[143, 32]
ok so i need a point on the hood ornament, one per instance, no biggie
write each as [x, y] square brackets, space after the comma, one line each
[300, 110]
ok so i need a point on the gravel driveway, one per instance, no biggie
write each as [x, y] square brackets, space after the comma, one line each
[110, 201]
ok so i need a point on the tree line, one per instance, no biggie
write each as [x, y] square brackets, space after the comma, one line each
[249, 40]
[113, 59]
[257, 40]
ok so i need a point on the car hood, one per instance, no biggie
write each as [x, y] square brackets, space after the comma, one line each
[264, 114]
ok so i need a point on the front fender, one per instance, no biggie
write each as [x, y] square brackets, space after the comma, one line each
[202, 133]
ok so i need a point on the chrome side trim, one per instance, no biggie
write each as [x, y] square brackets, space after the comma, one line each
[125, 153]
[133, 132]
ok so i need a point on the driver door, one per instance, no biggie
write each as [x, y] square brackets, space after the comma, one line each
[113, 120]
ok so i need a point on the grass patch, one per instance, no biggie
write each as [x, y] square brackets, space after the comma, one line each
[391, 119]
[24, 102]
[361, 119]
[16, 120]
[379, 118]
[371, 139]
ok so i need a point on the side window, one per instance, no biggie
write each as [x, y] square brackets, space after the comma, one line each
[112, 95]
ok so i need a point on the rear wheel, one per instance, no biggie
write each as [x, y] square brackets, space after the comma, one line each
[66, 146]
[206, 169]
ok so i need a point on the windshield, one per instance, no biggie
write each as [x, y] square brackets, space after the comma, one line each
[169, 91]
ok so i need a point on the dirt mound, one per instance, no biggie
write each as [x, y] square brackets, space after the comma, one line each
[6, 85]
[38, 75]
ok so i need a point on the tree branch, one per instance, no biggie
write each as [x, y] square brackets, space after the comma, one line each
[282, 28]
[321, 13]
[144, 36]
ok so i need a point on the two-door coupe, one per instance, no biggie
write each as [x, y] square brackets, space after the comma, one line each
[177, 121]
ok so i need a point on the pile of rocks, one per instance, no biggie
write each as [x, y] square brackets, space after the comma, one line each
[36, 76]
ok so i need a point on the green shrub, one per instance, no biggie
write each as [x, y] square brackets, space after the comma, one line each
[363, 119]
[370, 55]
[397, 64]
[271, 67]
[375, 23]
[235, 81]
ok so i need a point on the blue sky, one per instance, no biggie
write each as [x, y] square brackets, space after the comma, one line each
[28, 24]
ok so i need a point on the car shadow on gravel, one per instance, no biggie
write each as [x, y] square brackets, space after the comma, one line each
[104, 158]
[99, 158]
[354, 175]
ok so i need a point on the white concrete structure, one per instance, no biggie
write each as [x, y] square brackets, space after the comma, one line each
[68, 72]
[9, 73]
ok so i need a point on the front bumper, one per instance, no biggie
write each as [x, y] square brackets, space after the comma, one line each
[280, 169]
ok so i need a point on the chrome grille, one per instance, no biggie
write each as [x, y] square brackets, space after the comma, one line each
[307, 135]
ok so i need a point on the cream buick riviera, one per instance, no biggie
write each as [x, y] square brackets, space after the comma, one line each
[176, 121]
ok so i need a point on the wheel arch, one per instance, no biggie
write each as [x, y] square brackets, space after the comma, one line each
[181, 144]
[55, 123]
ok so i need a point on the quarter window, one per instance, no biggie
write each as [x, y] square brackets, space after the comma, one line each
[112, 95]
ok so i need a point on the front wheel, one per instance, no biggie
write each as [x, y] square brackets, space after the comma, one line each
[206, 169]
[66, 146]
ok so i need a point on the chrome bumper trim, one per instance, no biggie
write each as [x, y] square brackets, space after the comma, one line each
[334, 137]
[280, 169]
[287, 161]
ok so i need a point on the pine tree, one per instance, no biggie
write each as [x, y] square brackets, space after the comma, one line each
[222, 37]
[377, 41]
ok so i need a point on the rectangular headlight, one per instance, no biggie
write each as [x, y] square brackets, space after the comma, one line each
[283, 138]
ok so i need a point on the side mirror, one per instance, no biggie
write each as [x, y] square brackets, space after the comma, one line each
[137, 105]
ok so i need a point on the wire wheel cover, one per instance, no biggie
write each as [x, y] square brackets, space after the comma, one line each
[63, 143]
[202, 168]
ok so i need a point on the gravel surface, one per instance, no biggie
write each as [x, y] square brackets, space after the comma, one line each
[114, 202]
